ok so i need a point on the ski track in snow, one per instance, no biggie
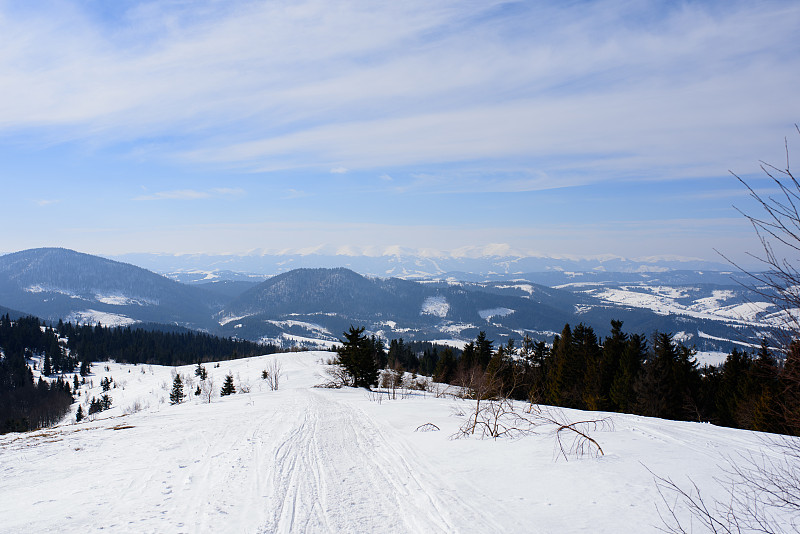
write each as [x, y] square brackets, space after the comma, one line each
[373, 486]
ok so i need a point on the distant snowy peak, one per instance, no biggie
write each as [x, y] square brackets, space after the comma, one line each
[491, 262]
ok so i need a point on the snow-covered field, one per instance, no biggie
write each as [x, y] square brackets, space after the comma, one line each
[304, 459]
[665, 300]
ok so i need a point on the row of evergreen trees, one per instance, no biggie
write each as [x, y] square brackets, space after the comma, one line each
[137, 345]
[628, 373]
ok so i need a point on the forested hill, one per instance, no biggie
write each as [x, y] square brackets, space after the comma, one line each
[58, 354]
[56, 283]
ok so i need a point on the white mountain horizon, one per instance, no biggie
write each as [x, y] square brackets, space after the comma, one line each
[491, 250]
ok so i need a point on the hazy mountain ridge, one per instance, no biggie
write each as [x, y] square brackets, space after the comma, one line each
[59, 283]
[473, 265]
[307, 304]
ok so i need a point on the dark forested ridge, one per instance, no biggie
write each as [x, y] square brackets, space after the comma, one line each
[63, 351]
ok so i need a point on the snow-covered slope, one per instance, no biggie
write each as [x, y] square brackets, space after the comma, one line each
[303, 459]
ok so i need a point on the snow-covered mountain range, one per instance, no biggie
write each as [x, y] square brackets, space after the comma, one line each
[713, 311]
[473, 264]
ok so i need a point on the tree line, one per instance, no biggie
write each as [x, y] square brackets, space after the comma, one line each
[138, 345]
[628, 373]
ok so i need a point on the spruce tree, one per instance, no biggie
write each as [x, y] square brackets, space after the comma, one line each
[200, 372]
[79, 414]
[561, 355]
[445, 367]
[177, 395]
[356, 356]
[227, 387]
[623, 393]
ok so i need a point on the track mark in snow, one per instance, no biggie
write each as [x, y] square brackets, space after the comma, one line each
[372, 484]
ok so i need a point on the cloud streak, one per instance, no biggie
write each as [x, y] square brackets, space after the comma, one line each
[668, 91]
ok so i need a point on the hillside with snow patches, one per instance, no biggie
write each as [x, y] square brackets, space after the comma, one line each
[312, 307]
[305, 459]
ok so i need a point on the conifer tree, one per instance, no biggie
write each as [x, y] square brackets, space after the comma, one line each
[79, 414]
[623, 394]
[483, 349]
[357, 359]
[95, 406]
[445, 367]
[227, 387]
[177, 395]
[47, 370]
[200, 372]
[558, 370]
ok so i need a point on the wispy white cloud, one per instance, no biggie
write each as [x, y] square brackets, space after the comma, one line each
[47, 202]
[190, 194]
[414, 97]
[655, 89]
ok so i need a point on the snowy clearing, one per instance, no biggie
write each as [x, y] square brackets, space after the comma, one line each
[663, 300]
[123, 300]
[487, 315]
[436, 306]
[94, 316]
[303, 459]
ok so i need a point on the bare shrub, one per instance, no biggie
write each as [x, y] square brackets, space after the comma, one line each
[188, 382]
[273, 374]
[763, 491]
[374, 396]
[763, 495]
[207, 389]
[505, 418]
[136, 407]
[572, 438]
[338, 377]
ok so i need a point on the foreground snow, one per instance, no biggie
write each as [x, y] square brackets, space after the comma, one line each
[304, 459]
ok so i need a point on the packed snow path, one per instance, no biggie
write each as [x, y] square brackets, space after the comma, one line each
[303, 459]
[335, 469]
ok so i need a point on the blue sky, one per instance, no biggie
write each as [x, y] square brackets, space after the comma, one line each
[555, 128]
